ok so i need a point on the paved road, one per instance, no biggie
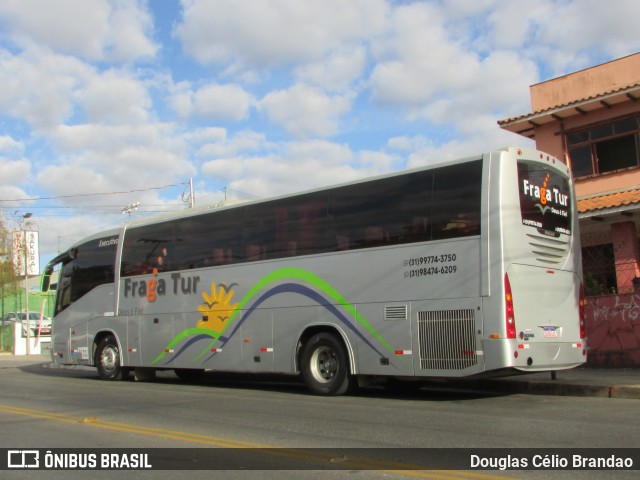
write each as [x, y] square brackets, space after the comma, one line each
[48, 407]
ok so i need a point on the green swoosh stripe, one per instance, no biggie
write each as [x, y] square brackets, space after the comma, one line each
[287, 273]
[184, 334]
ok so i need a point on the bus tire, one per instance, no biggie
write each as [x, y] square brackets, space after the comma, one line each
[325, 366]
[108, 359]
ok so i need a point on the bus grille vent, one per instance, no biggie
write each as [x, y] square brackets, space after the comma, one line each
[447, 339]
[548, 250]
[396, 312]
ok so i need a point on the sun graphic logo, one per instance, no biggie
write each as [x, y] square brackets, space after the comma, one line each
[217, 307]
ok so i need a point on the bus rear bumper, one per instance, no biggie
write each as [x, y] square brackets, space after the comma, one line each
[535, 356]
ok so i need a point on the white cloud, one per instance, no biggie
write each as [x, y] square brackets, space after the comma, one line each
[128, 36]
[72, 139]
[564, 35]
[103, 158]
[9, 146]
[305, 111]
[372, 162]
[180, 98]
[407, 143]
[115, 98]
[259, 33]
[337, 72]
[14, 171]
[212, 102]
[296, 166]
[495, 87]
[608, 27]
[221, 102]
[417, 58]
[38, 86]
[243, 142]
[89, 29]
[224, 169]
[480, 136]
[203, 135]
[431, 68]
[515, 24]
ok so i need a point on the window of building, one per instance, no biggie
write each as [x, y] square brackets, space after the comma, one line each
[605, 148]
[599, 268]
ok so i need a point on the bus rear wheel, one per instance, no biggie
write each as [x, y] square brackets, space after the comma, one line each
[325, 366]
[108, 359]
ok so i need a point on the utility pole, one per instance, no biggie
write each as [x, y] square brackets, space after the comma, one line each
[26, 279]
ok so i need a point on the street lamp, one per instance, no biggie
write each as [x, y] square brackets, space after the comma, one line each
[130, 208]
[26, 276]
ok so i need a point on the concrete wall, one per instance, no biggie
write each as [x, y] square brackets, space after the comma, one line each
[585, 83]
[613, 331]
[36, 345]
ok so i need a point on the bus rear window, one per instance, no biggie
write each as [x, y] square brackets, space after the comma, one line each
[545, 199]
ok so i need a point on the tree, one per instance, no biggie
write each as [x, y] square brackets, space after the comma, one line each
[8, 280]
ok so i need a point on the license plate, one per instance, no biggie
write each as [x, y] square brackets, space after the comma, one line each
[550, 332]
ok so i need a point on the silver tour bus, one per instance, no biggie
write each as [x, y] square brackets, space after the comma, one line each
[464, 268]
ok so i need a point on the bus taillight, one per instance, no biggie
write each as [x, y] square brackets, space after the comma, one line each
[581, 314]
[509, 312]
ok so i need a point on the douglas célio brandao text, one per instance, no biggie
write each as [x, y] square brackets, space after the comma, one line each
[551, 462]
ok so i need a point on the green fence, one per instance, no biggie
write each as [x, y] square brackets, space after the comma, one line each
[6, 338]
[16, 303]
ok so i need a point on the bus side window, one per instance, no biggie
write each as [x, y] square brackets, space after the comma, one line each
[342, 242]
[375, 236]
[419, 228]
[455, 206]
[220, 256]
[254, 252]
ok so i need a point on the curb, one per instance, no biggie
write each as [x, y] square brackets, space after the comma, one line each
[623, 391]
[562, 389]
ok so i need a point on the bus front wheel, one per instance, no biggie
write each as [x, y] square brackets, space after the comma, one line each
[325, 366]
[108, 359]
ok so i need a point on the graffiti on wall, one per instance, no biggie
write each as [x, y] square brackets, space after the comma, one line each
[613, 331]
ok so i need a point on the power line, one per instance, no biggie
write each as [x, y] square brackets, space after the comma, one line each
[114, 207]
[33, 199]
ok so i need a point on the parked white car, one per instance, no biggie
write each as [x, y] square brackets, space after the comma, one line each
[39, 326]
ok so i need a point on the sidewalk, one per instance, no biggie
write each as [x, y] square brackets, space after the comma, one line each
[9, 360]
[578, 382]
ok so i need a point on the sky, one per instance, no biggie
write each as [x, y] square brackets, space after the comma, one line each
[107, 103]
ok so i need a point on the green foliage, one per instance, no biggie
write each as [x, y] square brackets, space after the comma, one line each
[8, 279]
[6, 338]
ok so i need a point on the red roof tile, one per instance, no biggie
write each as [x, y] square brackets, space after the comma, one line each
[613, 200]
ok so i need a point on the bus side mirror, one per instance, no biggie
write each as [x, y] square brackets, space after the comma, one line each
[46, 281]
